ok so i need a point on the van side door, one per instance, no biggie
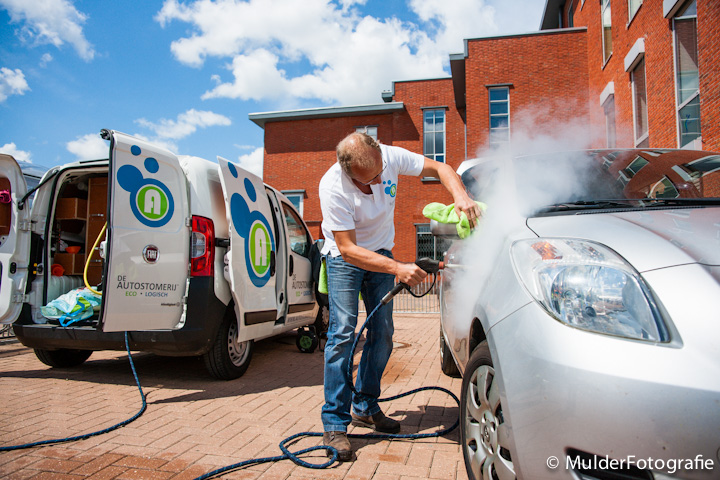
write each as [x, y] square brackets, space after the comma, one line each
[252, 254]
[14, 239]
[148, 238]
[300, 292]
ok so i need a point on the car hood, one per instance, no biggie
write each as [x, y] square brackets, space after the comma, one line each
[649, 239]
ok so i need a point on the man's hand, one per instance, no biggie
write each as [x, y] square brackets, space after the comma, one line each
[470, 208]
[410, 274]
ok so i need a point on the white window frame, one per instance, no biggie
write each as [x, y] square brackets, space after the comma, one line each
[371, 130]
[435, 153]
[605, 5]
[639, 140]
[632, 14]
[696, 142]
[300, 195]
[491, 115]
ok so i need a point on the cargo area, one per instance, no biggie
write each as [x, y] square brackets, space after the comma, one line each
[76, 219]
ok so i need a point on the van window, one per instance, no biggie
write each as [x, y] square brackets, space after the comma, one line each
[299, 236]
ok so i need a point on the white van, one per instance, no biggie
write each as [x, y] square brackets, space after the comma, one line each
[197, 258]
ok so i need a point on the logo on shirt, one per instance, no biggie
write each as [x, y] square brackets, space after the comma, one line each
[391, 188]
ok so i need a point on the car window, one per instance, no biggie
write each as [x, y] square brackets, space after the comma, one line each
[299, 236]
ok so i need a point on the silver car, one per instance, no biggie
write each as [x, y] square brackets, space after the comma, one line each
[584, 316]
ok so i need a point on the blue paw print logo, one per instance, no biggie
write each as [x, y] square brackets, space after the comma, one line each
[255, 229]
[391, 188]
[150, 200]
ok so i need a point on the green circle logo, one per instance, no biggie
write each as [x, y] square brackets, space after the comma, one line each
[260, 248]
[393, 190]
[152, 202]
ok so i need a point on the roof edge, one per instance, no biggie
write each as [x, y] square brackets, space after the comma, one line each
[262, 118]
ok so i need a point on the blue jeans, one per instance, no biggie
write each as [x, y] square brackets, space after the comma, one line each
[345, 281]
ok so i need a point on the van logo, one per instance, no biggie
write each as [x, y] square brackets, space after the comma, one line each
[151, 254]
[254, 228]
[260, 248]
[150, 200]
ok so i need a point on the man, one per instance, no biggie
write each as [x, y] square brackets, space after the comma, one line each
[357, 197]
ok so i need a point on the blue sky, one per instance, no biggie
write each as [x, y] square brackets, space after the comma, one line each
[186, 74]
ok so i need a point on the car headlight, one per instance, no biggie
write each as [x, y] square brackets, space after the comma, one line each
[586, 285]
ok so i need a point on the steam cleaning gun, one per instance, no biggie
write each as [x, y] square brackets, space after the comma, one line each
[427, 264]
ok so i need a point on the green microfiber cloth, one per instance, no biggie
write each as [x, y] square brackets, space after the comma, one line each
[322, 283]
[446, 214]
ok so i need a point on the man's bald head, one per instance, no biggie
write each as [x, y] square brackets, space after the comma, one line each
[358, 150]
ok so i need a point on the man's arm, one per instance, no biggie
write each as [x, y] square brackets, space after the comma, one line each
[451, 181]
[368, 260]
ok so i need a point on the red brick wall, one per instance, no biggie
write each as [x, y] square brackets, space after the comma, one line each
[548, 77]
[299, 152]
[649, 23]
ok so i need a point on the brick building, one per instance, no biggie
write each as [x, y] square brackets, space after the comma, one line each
[622, 73]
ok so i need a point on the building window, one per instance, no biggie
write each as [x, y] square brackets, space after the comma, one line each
[640, 111]
[434, 134]
[609, 108]
[369, 129]
[428, 245]
[296, 197]
[571, 15]
[499, 116]
[687, 78]
[633, 6]
[606, 30]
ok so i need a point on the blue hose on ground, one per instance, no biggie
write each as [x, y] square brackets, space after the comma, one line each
[294, 456]
[287, 454]
[99, 432]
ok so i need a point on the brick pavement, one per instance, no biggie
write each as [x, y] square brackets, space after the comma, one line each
[194, 424]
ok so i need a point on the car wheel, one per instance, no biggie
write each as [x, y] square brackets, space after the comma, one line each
[447, 362]
[62, 357]
[228, 358]
[484, 435]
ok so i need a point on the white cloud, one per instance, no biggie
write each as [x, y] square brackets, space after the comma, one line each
[352, 57]
[12, 82]
[53, 22]
[89, 147]
[186, 124]
[253, 162]
[17, 154]
[46, 58]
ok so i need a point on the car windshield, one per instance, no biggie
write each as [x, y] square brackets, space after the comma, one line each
[551, 184]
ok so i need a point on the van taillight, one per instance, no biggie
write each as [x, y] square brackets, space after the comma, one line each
[202, 247]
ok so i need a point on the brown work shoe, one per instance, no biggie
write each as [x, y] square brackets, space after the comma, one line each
[340, 442]
[378, 421]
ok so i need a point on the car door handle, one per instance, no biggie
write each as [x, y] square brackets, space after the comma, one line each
[292, 266]
[272, 263]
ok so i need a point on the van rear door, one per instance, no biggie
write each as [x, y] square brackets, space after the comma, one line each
[148, 253]
[14, 239]
[252, 252]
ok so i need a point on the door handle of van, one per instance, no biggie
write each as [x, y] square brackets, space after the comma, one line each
[272, 263]
[292, 266]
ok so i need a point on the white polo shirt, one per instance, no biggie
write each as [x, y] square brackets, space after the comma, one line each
[345, 207]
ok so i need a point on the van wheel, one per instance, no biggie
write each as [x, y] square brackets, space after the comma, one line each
[228, 359]
[62, 357]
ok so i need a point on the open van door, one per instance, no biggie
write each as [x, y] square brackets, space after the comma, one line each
[148, 247]
[14, 239]
[252, 252]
